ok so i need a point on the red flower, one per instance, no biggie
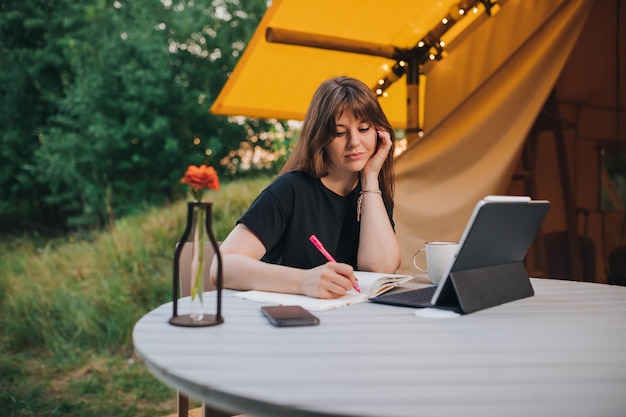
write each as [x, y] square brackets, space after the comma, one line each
[200, 178]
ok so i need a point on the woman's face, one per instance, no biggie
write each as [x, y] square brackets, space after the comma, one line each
[353, 145]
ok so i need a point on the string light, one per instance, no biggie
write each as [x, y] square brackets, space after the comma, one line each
[396, 72]
[431, 48]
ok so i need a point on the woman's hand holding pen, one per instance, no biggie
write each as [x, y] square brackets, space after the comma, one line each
[330, 280]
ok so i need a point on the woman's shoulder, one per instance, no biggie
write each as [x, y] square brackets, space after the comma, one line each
[293, 179]
[289, 188]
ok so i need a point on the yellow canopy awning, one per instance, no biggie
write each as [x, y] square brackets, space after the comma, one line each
[480, 101]
[277, 80]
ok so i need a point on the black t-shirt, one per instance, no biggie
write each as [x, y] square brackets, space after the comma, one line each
[295, 206]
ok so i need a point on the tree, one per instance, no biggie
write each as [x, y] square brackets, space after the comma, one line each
[120, 92]
[32, 78]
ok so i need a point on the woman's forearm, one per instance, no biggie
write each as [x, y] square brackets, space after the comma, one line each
[379, 250]
[242, 272]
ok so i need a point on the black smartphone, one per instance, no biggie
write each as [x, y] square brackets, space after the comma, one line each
[288, 316]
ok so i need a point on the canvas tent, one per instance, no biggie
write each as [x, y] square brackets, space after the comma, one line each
[524, 101]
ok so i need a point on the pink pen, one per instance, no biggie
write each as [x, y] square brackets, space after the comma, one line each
[328, 256]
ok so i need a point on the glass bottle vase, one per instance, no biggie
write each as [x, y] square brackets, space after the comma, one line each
[198, 231]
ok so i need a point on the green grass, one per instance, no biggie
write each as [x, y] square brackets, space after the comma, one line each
[69, 306]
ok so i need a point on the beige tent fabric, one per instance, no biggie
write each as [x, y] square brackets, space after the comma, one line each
[474, 136]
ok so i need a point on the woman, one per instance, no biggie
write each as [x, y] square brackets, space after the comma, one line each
[337, 185]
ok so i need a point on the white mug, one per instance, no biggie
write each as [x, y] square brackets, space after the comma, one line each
[439, 258]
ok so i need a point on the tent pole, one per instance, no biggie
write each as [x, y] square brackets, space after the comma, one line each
[529, 176]
[332, 43]
[413, 129]
[568, 198]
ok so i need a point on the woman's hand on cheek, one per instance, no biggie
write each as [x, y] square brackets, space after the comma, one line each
[377, 160]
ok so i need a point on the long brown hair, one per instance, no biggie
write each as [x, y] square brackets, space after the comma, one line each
[332, 98]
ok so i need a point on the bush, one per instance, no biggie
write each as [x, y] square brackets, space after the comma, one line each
[67, 305]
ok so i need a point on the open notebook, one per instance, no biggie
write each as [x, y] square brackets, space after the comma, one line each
[488, 268]
[372, 284]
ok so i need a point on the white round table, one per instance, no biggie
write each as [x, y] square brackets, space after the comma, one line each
[561, 352]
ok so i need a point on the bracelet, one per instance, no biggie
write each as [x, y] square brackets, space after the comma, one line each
[359, 202]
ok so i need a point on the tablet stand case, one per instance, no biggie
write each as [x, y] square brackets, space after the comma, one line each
[476, 289]
[487, 272]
